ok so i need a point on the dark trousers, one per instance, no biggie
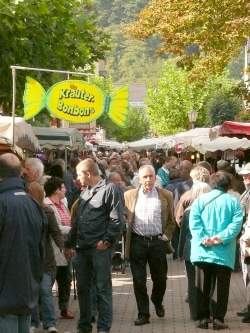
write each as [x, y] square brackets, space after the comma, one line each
[194, 292]
[222, 275]
[175, 240]
[152, 253]
[64, 279]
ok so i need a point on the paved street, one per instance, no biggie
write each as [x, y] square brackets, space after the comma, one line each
[177, 319]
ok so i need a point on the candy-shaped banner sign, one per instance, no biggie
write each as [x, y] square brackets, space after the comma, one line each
[76, 101]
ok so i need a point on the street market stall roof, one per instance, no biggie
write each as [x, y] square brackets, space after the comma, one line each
[24, 136]
[185, 138]
[164, 142]
[230, 129]
[204, 144]
[59, 138]
[111, 145]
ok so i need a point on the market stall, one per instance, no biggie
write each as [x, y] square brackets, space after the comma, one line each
[230, 129]
[24, 137]
[59, 138]
[204, 144]
[164, 142]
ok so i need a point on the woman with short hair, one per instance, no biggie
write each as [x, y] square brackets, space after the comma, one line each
[55, 190]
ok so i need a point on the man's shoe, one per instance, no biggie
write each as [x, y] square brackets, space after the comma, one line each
[67, 314]
[242, 313]
[203, 323]
[219, 325]
[246, 319]
[160, 311]
[33, 329]
[52, 330]
[141, 321]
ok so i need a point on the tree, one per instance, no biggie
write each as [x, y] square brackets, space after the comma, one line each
[221, 107]
[115, 12]
[130, 60]
[54, 34]
[137, 125]
[217, 28]
[169, 102]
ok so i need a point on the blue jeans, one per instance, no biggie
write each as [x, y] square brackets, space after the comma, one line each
[47, 304]
[94, 266]
[14, 324]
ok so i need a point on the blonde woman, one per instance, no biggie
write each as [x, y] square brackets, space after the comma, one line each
[184, 248]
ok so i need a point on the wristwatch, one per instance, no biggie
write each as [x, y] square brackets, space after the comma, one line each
[106, 243]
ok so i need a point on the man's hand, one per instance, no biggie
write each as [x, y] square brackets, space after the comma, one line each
[68, 253]
[100, 246]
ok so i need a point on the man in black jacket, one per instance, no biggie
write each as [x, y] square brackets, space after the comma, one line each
[96, 227]
[22, 226]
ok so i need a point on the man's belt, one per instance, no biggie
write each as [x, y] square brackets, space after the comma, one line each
[146, 238]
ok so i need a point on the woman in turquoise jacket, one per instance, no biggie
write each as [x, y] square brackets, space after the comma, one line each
[215, 221]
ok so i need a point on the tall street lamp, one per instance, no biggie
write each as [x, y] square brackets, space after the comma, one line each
[192, 116]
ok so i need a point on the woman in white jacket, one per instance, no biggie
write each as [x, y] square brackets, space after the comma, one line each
[55, 193]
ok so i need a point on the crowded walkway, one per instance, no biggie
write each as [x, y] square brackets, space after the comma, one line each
[177, 318]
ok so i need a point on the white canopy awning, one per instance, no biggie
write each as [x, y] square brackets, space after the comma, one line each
[24, 136]
[111, 144]
[165, 142]
[203, 144]
[59, 138]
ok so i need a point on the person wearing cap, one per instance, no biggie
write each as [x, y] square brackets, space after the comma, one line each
[245, 260]
[222, 165]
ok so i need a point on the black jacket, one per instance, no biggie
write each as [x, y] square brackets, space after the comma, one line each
[22, 231]
[73, 191]
[98, 216]
[184, 248]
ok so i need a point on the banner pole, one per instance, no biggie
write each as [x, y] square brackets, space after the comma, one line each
[13, 103]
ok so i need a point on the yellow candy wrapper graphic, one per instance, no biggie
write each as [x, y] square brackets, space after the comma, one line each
[76, 101]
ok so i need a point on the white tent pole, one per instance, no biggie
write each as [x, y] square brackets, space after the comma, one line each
[50, 70]
[13, 104]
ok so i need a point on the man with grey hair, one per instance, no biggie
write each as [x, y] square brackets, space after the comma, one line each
[150, 227]
[146, 161]
[34, 169]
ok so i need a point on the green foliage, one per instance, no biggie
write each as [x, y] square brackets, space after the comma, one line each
[217, 28]
[135, 61]
[54, 34]
[221, 107]
[132, 61]
[129, 60]
[137, 127]
[169, 102]
[243, 116]
[115, 12]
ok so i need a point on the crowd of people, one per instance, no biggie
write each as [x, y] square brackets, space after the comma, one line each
[55, 216]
